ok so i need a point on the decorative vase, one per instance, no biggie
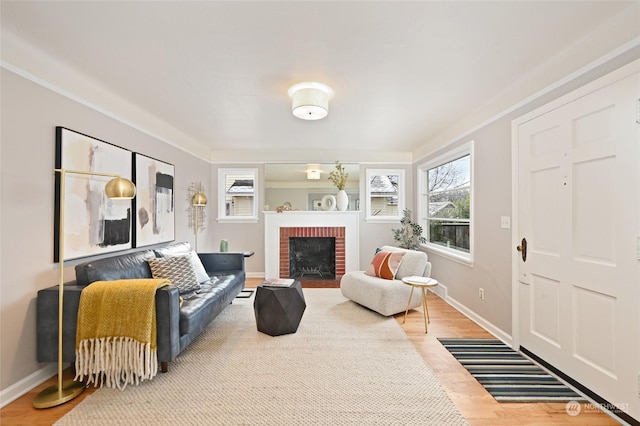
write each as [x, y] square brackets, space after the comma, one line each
[342, 200]
[224, 246]
[328, 203]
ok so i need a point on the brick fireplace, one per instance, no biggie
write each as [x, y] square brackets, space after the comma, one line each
[279, 227]
[337, 232]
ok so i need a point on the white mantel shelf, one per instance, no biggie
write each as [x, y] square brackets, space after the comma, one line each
[288, 219]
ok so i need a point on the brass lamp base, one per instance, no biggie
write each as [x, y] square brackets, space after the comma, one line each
[50, 397]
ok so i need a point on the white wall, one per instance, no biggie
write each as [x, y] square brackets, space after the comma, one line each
[30, 114]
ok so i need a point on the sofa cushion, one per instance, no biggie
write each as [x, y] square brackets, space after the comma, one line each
[173, 249]
[177, 269]
[385, 264]
[202, 305]
[122, 267]
[414, 263]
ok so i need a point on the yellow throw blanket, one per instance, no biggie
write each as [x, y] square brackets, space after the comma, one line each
[116, 332]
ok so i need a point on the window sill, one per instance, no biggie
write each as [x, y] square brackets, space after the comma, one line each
[390, 219]
[465, 259]
[237, 219]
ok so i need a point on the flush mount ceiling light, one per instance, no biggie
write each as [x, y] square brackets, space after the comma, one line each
[313, 171]
[310, 101]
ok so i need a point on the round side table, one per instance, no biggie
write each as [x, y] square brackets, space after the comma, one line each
[423, 283]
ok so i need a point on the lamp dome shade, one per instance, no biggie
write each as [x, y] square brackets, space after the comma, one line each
[199, 199]
[310, 101]
[120, 189]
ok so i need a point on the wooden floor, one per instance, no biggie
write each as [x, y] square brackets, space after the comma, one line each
[475, 404]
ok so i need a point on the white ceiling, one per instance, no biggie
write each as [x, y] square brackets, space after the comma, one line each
[407, 75]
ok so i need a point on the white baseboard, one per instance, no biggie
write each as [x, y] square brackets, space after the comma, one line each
[255, 274]
[441, 290]
[18, 389]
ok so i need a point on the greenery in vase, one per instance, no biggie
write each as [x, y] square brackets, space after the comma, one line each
[410, 233]
[339, 177]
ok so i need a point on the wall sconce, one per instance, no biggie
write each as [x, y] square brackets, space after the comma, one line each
[63, 391]
[198, 201]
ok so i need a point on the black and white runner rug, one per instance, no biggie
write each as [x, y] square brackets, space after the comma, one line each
[506, 374]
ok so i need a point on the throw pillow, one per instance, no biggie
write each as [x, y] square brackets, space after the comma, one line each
[198, 267]
[385, 264]
[201, 273]
[177, 269]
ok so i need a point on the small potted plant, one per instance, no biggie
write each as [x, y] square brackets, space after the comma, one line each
[339, 179]
[410, 233]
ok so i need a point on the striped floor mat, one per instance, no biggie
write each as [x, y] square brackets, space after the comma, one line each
[506, 374]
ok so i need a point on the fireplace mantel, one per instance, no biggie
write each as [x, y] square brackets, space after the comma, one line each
[273, 221]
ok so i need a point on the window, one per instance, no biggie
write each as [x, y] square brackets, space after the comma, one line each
[237, 199]
[385, 195]
[446, 203]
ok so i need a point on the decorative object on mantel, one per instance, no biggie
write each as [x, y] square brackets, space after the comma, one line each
[310, 101]
[410, 233]
[197, 214]
[328, 203]
[117, 188]
[339, 179]
[286, 207]
[224, 246]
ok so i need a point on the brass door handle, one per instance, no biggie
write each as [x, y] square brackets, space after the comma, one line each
[522, 248]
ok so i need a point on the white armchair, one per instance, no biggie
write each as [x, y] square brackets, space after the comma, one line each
[387, 297]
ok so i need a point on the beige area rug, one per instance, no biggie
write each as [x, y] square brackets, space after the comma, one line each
[345, 365]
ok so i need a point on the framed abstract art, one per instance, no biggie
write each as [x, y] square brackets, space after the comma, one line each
[154, 202]
[93, 223]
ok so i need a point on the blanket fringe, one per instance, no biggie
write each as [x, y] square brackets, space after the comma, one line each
[115, 362]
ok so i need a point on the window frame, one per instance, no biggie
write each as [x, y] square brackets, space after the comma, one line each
[370, 173]
[222, 215]
[423, 205]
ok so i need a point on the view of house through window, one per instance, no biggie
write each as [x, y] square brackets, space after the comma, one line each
[237, 193]
[446, 203]
[385, 194]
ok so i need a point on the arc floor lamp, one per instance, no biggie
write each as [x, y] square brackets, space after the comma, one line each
[117, 188]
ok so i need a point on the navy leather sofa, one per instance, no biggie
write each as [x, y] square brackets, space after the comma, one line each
[177, 325]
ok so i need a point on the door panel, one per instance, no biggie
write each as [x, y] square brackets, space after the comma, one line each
[593, 227]
[578, 191]
[545, 309]
[598, 353]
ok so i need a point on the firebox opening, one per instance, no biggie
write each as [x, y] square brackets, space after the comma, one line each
[312, 258]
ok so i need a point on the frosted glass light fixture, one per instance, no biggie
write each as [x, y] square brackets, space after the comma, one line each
[310, 101]
[313, 171]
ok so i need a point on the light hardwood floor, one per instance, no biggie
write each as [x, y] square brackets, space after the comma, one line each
[475, 404]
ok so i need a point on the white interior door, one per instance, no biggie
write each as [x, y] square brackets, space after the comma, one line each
[578, 208]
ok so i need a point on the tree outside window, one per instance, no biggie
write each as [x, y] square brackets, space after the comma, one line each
[445, 203]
